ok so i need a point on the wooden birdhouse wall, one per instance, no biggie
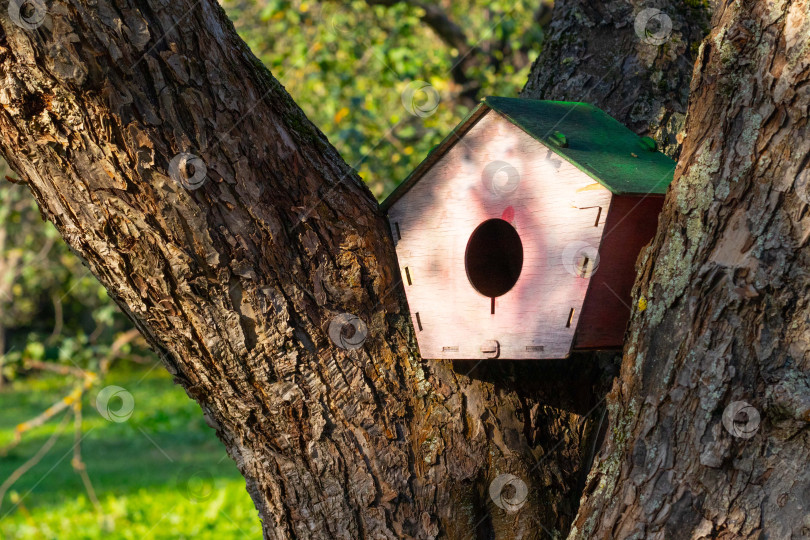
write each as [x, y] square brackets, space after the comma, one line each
[631, 224]
[497, 171]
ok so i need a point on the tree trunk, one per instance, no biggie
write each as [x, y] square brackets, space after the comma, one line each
[230, 231]
[237, 275]
[708, 432]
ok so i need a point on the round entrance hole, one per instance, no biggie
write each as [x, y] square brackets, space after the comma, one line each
[494, 258]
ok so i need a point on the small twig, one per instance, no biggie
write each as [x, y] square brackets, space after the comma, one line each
[13, 180]
[55, 368]
[75, 396]
[77, 462]
[58, 316]
[46, 249]
[140, 359]
[73, 401]
[97, 331]
[51, 411]
[25, 467]
[116, 347]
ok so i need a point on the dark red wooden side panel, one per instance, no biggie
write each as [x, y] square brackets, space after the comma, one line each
[630, 225]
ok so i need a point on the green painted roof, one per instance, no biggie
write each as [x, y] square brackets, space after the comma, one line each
[583, 134]
[598, 144]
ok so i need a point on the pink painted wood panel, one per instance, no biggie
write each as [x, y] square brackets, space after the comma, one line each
[498, 171]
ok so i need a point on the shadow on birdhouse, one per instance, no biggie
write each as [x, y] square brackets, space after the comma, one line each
[517, 235]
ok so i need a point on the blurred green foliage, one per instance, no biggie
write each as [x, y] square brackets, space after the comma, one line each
[347, 64]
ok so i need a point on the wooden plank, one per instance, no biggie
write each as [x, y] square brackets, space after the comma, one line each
[631, 224]
[497, 171]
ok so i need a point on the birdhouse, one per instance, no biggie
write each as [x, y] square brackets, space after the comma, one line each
[518, 234]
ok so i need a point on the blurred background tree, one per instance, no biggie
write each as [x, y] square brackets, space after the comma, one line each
[356, 68]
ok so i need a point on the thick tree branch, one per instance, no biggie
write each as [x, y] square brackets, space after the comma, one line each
[600, 52]
[709, 426]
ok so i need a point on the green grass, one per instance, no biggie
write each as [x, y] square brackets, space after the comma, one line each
[160, 474]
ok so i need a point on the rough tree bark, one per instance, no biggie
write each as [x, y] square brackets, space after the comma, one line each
[236, 283]
[727, 317]
[236, 267]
